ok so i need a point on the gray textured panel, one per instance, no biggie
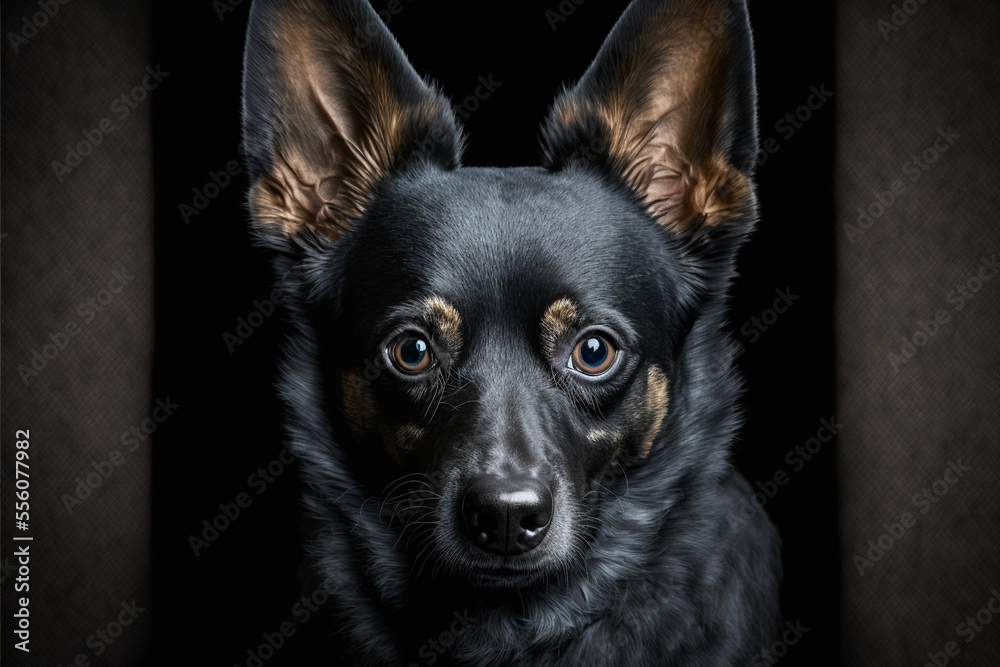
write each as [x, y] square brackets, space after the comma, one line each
[927, 72]
[63, 242]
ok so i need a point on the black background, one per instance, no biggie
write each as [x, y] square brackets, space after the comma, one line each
[211, 608]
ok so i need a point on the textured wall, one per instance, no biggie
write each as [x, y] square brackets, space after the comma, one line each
[65, 238]
[917, 330]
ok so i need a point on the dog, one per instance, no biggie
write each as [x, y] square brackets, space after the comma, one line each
[509, 390]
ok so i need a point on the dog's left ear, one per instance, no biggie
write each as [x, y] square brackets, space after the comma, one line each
[331, 107]
[669, 107]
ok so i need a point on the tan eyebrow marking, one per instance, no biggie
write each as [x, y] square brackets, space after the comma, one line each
[445, 318]
[560, 317]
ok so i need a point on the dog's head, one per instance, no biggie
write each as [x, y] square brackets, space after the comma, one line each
[492, 353]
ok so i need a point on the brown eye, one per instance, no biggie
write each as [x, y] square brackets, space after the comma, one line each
[411, 354]
[593, 355]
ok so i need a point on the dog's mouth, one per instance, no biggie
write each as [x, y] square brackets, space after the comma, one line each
[461, 561]
[506, 577]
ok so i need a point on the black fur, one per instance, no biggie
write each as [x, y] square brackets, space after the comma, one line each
[643, 564]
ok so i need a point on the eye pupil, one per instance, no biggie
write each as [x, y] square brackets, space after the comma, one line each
[594, 352]
[413, 351]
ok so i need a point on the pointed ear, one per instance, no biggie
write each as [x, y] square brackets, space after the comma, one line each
[669, 106]
[330, 108]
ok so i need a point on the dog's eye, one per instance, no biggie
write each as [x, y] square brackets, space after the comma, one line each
[411, 354]
[593, 355]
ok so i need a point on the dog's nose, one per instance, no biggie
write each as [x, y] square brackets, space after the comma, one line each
[507, 515]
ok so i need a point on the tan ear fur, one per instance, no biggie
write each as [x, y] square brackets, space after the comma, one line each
[345, 107]
[659, 92]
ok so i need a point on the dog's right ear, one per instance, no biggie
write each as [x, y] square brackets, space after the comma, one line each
[331, 106]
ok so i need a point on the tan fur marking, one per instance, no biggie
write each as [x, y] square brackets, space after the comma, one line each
[400, 441]
[597, 434]
[655, 407]
[560, 318]
[614, 437]
[407, 436]
[661, 112]
[445, 318]
[339, 128]
[359, 404]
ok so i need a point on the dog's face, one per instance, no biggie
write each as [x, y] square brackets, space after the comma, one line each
[493, 345]
[517, 345]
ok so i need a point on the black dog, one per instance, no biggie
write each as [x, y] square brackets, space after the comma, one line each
[504, 385]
